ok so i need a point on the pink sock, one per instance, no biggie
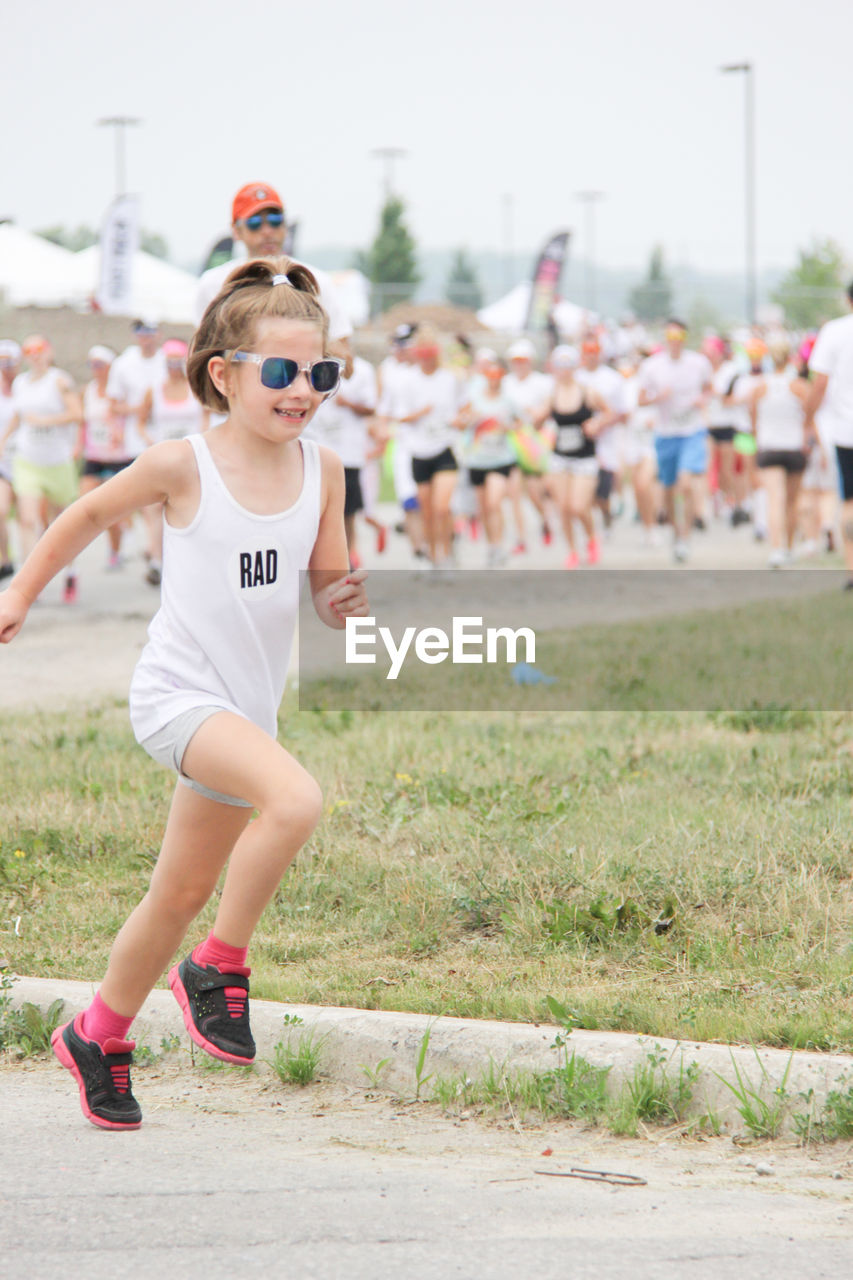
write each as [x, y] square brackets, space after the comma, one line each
[101, 1023]
[227, 959]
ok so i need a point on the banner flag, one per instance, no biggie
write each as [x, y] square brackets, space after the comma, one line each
[546, 282]
[119, 244]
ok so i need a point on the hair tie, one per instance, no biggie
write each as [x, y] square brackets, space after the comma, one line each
[281, 280]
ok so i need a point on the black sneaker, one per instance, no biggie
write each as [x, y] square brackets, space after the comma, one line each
[216, 1009]
[103, 1074]
[6, 569]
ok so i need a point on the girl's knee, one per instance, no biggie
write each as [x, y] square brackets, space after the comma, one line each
[296, 809]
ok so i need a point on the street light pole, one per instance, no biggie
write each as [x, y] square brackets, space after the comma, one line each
[388, 155]
[120, 123]
[507, 202]
[589, 199]
[751, 282]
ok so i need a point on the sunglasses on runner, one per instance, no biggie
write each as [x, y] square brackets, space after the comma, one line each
[272, 217]
[278, 372]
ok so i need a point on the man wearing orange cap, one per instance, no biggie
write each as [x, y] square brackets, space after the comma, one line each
[258, 223]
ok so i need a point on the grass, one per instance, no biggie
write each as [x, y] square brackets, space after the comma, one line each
[669, 874]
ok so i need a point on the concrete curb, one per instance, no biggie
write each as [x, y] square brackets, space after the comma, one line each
[356, 1041]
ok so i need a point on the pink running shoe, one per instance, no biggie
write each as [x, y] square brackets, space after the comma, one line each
[69, 591]
[102, 1073]
[593, 551]
[572, 560]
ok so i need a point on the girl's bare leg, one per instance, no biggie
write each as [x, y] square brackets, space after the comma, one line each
[230, 755]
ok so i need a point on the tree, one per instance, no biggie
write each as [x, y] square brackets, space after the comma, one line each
[83, 237]
[79, 238]
[390, 262]
[652, 298]
[463, 288]
[811, 292]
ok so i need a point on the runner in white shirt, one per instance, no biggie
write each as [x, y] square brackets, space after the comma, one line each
[776, 403]
[45, 422]
[10, 364]
[529, 392]
[393, 375]
[259, 226]
[678, 382]
[721, 428]
[819, 495]
[341, 423]
[102, 439]
[169, 411]
[639, 451]
[430, 399]
[750, 495]
[831, 366]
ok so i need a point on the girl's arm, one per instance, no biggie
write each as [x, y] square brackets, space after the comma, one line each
[164, 473]
[337, 593]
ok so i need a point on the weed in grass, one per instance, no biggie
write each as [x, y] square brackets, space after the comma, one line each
[298, 1065]
[170, 1043]
[762, 1109]
[144, 1056]
[830, 1123]
[374, 1074]
[27, 1030]
[653, 1094]
[420, 1061]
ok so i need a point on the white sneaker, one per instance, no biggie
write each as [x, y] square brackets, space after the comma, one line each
[679, 552]
[777, 559]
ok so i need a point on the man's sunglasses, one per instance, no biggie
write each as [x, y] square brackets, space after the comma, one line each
[272, 217]
[278, 372]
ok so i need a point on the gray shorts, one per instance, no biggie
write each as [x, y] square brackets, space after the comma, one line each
[167, 747]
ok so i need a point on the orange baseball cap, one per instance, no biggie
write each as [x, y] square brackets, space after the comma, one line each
[253, 197]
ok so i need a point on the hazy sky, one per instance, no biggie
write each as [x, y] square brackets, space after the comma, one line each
[533, 99]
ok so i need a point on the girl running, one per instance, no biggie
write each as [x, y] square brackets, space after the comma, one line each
[10, 363]
[102, 444]
[47, 414]
[169, 411]
[247, 506]
[577, 413]
[490, 458]
[777, 406]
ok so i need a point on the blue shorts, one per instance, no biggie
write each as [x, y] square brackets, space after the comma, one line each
[677, 454]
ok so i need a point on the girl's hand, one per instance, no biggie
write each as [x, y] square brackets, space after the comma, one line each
[347, 598]
[14, 608]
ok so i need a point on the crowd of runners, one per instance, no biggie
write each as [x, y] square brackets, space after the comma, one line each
[510, 445]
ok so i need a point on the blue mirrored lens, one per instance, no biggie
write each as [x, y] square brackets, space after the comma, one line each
[273, 218]
[277, 372]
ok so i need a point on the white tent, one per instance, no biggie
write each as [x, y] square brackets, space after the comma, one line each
[353, 290]
[509, 313]
[159, 289]
[35, 272]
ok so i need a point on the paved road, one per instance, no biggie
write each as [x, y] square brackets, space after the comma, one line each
[228, 1178]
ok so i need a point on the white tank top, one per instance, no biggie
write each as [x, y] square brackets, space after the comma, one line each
[99, 443]
[44, 446]
[174, 419]
[230, 595]
[780, 416]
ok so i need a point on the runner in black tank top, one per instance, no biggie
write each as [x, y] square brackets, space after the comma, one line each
[573, 473]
